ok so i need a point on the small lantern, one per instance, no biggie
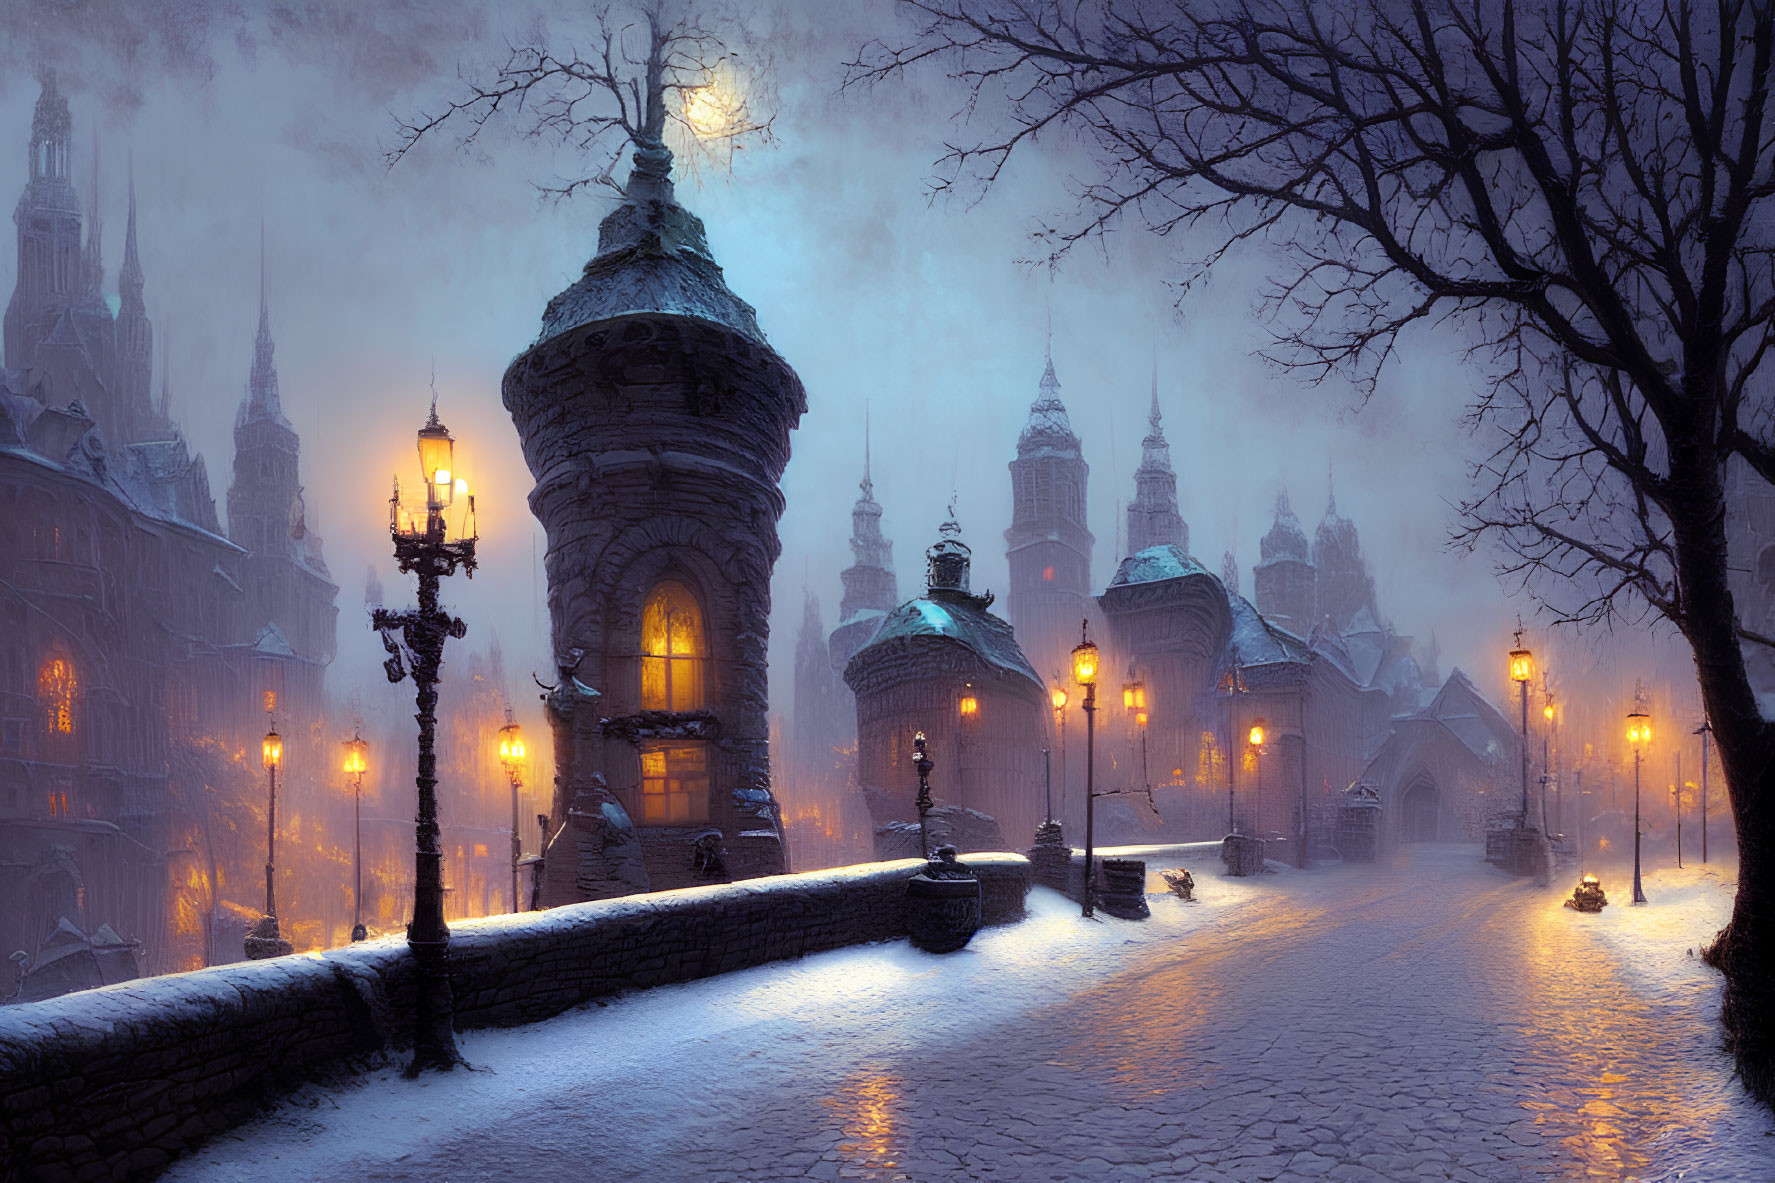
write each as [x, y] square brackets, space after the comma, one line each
[1522, 663]
[436, 450]
[272, 749]
[1133, 696]
[1058, 697]
[1639, 729]
[970, 706]
[1547, 712]
[1084, 661]
[1140, 718]
[357, 755]
[511, 741]
[1255, 736]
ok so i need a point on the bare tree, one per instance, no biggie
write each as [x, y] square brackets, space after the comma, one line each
[658, 72]
[1582, 187]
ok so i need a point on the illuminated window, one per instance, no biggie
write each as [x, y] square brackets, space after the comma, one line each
[55, 691]
[1048, 574]
[674, 784]
[671, 650]
[480, 850]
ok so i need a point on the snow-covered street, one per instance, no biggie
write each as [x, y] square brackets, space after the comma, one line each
[1431, 1019]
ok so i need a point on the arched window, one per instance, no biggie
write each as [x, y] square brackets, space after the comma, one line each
[55, 694]
[672, 650]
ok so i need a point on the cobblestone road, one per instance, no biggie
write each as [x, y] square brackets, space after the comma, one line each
[1428, 1020]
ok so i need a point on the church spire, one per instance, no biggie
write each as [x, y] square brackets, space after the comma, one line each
[1153, 516]
[129, 279]
[92, 269]
[262, 399]
[869, 581]
[135, 336]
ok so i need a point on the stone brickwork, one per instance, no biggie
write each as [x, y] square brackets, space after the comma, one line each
[114, 1083]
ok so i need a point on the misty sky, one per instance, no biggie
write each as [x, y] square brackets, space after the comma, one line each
[877, 297]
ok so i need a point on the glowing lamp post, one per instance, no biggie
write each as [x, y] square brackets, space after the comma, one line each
[265, 940]
[1057, 698]
[1255, 738]
[1547, 762]
[356, 763]
[511, 755]
[1084, 672]
[1134, 702]
[431, 553]
[1639, 734]
[1522, 668]
[921, 764]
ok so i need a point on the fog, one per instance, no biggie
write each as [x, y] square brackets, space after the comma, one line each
[922, 314]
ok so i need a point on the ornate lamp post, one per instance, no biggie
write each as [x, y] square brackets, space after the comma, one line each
[1639, 734]
[511, 754]
[1057, 698]
[1547, 761]
[921, 763]
[1084, 672]
[428, 553]
[1255, 738]
[1134, 702]
[1522, 668]
[265, 940]
[357, 762]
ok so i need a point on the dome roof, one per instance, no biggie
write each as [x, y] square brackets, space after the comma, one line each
[1286, 540]
[960, 618]
[1154, 564]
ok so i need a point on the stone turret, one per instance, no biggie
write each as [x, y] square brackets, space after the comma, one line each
[1284, 580]
[655, 418]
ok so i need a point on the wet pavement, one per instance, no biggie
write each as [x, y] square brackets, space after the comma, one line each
[1430, 1019]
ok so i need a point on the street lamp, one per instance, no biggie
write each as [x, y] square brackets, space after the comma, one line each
[1522, 668]
[1255, 738]
[1639, 734]
[1703, 731]
[511, 754]
[357, 762]
[1084, 672]
[265, 940]
[431, 555]
[921, 763]
[1057, 698]
[1547, 756]
[1134, 702]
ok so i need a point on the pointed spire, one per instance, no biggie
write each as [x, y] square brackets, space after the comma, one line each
[866, 485]
[166, 380]
[1330, 492]
[264, 304]
[129, 279]
[93, 262]
[262, 392]
[1153, 417]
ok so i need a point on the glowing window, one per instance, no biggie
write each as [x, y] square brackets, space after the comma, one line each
[480, 850]
[1047, 574]
[55, 690]
[674, 784]
[671, 650]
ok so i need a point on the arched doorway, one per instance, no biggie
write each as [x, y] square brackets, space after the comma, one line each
[1420, 811]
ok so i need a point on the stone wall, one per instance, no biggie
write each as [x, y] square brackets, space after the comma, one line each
[114, 1083]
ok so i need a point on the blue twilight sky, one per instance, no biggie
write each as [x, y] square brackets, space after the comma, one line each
[879, 298]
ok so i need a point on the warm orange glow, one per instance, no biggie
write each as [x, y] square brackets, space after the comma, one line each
[1140, 718]
[511, 743]
[672, 650]
[1639, 729]
[271, 749]
[1133, 697]
[55, 690]
[1058, 697]
[1256, 734]
[270, 701]
[1547, 712]
[1047, 575]
[970, 706]
[435, 451]
[357, 755]
[674, 784]
[1522, 665]
[1084, 663]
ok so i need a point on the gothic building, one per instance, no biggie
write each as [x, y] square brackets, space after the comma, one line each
[1343, 587]
[1048, 543]
[133, 642]
[655, 418]
[1153, 518]
[944, 665]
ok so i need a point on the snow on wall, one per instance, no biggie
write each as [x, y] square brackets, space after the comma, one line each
[116, 1082]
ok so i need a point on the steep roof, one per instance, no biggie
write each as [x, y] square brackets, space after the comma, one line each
[1156, 563]
[960, 618]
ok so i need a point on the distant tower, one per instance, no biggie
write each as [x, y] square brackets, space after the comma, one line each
[135, 336]
[870, 591]
[48, 221]
[1284, 580]
[286, 582]
[1344, 584]
[655, 418]
[1229, 573]
[1048, 544]
[1153, 519]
